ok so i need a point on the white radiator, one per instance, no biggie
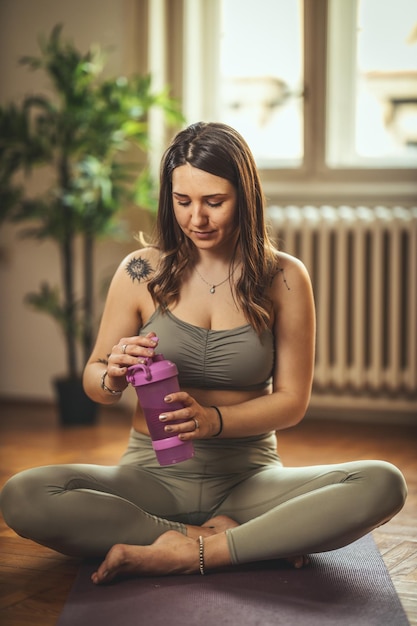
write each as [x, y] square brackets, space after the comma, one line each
[363, 266]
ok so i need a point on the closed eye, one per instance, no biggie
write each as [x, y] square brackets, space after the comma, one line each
[212, 205]
[213, 201]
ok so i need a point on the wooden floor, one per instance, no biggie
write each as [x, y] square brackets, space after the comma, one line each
[34, 581]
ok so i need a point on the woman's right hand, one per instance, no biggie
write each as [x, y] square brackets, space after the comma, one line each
[130, 351]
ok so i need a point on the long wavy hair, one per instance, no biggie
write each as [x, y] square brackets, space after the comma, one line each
[219, 150]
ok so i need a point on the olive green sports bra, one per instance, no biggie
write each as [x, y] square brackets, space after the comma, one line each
[232, 359]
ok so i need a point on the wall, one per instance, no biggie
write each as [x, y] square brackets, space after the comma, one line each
[32, 350]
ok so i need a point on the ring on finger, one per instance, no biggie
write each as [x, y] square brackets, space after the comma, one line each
[124, 346]
[197, 425]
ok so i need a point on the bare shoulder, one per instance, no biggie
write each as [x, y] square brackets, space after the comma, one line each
[292, 274]
[140, 265]
[292, 297]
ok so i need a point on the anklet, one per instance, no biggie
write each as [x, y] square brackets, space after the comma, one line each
[201, 555]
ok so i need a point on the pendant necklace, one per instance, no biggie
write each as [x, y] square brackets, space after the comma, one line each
[211, 285]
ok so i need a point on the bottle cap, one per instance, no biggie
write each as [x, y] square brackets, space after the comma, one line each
[154, 369]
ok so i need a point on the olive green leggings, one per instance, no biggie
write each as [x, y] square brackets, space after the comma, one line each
[85, 509]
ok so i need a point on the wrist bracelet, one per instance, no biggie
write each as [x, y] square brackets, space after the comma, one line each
[201, 555]
[220, 418]
[104, 386]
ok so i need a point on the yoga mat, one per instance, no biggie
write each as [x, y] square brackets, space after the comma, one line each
[347, 587]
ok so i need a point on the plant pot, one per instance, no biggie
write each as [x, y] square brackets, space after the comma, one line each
[74, 406]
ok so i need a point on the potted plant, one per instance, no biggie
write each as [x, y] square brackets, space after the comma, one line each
[82, 132]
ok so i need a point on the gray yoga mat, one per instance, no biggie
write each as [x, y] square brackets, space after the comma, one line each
[347, 587]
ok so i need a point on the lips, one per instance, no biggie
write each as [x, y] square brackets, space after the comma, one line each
[203, 234]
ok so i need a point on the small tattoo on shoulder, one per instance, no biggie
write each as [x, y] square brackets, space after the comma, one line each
[281, 271]
[138, 269]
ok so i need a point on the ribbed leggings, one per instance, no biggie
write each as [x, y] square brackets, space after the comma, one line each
[83, 510]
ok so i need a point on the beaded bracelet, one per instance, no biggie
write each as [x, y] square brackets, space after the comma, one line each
[104, 386]
[220, 418]
[201, 555]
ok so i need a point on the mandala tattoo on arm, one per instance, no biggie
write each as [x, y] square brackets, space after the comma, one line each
[138, 269]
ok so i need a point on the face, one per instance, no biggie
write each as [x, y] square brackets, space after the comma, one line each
[204, 207]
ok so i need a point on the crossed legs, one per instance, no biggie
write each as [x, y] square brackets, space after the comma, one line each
[317, 509]
[275, 513]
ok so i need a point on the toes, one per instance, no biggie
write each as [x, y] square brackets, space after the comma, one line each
[299, 561]
[111, 566]
[99, 577]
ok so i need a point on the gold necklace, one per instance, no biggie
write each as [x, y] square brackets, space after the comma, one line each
[212, 285]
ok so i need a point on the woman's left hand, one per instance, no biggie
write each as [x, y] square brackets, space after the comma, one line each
[197, 422]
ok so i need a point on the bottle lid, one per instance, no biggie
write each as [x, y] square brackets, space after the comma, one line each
[154, 369]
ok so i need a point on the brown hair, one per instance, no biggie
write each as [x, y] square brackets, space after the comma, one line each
[219, 150]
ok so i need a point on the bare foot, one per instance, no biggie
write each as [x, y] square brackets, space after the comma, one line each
[220, 523]
[171, 553]
[213, 526]
[299, 561]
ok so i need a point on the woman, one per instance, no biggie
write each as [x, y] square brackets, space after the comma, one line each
[237, 317]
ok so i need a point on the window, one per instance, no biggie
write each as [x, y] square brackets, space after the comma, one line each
[324, 91]
[372, 83]
[261, 77]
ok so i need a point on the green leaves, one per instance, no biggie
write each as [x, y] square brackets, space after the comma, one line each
[82, 133]
[70, 71]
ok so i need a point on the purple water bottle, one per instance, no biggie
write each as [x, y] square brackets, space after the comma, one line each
[153, 380]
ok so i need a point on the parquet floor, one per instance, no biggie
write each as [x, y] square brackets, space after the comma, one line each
[34, 581]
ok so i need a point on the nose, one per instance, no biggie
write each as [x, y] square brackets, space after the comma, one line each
[198, 214]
